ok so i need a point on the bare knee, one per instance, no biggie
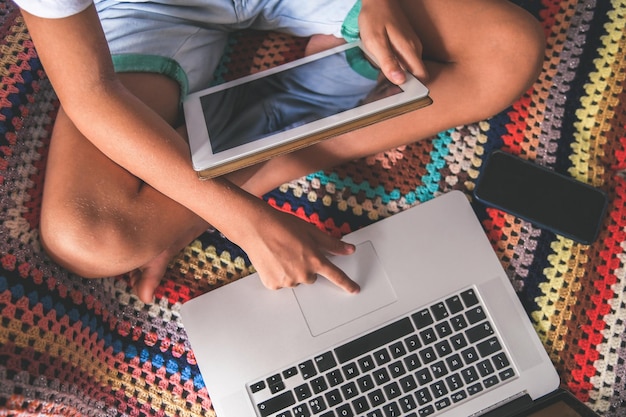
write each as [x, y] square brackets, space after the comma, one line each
[513, 55]
[85, 241]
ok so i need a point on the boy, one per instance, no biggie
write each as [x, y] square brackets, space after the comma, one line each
[120, 192]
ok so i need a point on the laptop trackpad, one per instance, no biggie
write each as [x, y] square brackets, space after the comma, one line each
[326, 306]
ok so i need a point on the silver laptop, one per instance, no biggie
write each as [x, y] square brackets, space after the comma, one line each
[436, 330]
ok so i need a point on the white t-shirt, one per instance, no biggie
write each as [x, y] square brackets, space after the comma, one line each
[53, 8]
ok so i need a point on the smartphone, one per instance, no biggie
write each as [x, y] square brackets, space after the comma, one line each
[549, 200]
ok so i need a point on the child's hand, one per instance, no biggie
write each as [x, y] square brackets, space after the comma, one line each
[287, 251]
[389, 37]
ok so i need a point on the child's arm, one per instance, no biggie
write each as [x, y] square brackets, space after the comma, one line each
[388, 35]
[284, 250]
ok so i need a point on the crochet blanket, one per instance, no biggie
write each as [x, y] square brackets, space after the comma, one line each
[71, 346]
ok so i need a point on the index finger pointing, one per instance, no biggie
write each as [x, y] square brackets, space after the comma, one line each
[340, 279]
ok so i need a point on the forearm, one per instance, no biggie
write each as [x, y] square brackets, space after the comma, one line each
[120, 125]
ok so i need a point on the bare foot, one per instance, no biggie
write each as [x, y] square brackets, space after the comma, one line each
[146, 279]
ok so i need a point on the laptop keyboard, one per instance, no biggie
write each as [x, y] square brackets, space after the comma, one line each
[419, 365]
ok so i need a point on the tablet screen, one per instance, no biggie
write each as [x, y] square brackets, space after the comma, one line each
[287, 99]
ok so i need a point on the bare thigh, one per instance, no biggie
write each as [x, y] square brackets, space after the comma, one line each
[97, 219]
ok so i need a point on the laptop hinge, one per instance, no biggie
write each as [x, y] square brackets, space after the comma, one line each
[507, 408]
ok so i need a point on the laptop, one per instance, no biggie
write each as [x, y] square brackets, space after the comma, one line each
[436, 330]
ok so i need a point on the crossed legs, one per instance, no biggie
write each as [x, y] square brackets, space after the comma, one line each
[99, 220]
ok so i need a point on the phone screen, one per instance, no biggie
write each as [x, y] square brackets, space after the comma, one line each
[548, 199]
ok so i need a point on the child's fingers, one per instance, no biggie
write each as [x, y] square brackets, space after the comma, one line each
[409, 53]
[145, 285]
[339, 278]
[330, 271]
[386, 59]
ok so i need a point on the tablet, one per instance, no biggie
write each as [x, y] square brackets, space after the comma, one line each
[288, 107]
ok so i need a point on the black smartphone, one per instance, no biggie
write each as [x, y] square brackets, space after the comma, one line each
[541, 196]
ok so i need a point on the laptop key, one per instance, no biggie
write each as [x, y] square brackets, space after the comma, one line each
[382, 357]
[491, 381]
[319, 384]
[349, 390]
[392, 390]
[485, 368]
[325, 361]
[256, 387]
[374, 340]
[423, 376]
[397, 350]
[317, 405]
[392, 410]
[407, 404]
[454, 362]
[454, 382]
[302, 392]
[360, 405]
[275, 404]
[443, 348]
[408, 384]
[412, 362]
[469, 297]
[439, 311]
[366, 363]
[470, 355]
[350, 370]
[454, 304]
[469, 375]
[506, 374]
[412, 343]
[277, 387]
[442, 403]
[423, 396]
[458, 322]
[381, 376]
[438, 389]
[443, 329]
[288, 373]
[422, 319]
[500, 360]
[376, 398]
[365, 383]
[428, 336]
[426, 411]
[438, 369]
[428, 355]
[474, 389]
[397, 369]
[488, 347]
[476, 314]
[333, 397]
[301, 411]
[458, 341]
[307, 369]
[334, 377]
[344, 411]
[479, 332]
[458, 396]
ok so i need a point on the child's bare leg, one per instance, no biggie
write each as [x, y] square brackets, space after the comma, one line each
[99, 220]
[481, 56]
